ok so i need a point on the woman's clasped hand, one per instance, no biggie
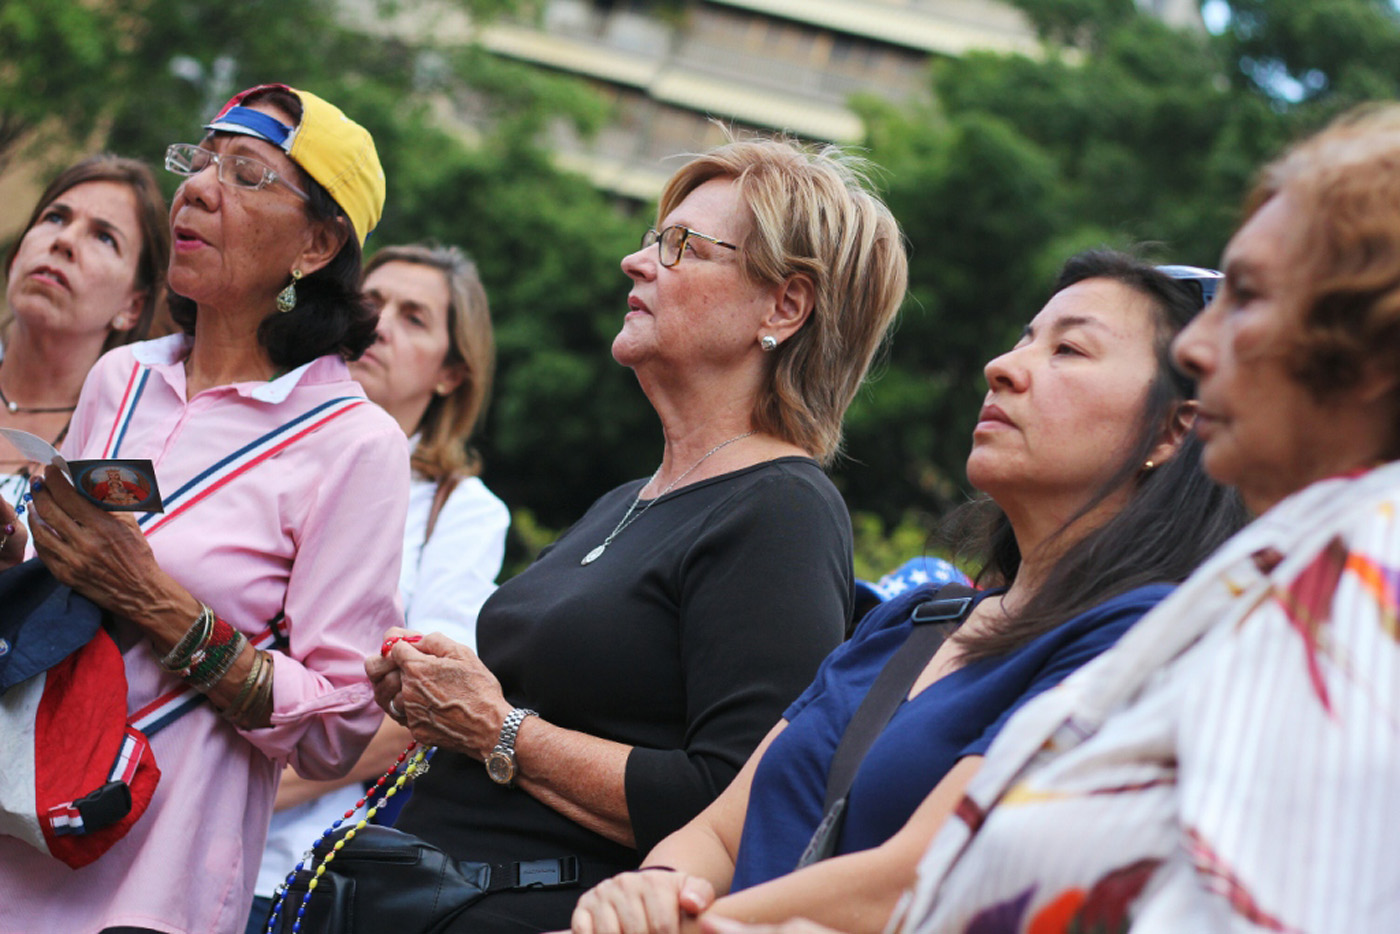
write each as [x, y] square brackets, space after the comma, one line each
[441, 691]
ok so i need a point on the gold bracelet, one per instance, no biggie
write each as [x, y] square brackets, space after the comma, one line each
[259, 706]
[245, 693]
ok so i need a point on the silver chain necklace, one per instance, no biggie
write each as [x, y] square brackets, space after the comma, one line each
[628, 518]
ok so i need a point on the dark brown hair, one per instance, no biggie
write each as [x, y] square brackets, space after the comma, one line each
[331, 316]
[152, 216]
[1174, 517]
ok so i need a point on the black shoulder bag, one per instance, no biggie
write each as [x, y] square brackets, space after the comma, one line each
[387, 880]
[933, 621]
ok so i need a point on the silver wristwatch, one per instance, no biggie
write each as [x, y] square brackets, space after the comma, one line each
[500, 764]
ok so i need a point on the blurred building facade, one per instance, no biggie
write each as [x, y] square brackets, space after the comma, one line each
[669, 66]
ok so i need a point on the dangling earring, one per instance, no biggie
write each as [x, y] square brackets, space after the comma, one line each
[768, 342]
[287, 298]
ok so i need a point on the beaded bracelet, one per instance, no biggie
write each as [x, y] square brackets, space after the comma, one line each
[192, 641]
[414, 768]
[242, 700]
[213, 663]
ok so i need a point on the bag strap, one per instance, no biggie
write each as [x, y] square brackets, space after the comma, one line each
[552, 873]
[444, 490]
[933, 621]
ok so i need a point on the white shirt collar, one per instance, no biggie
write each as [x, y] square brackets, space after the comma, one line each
[173, 348]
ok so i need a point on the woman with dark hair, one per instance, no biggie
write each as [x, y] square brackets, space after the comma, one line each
[1095, 506]
[1234, 764]
[243, 610]
[86, 275]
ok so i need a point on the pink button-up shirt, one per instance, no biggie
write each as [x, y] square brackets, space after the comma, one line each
[315, 532]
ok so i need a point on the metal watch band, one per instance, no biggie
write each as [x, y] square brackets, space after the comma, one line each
[511, 726]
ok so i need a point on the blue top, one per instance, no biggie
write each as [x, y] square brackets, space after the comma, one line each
[958, 715]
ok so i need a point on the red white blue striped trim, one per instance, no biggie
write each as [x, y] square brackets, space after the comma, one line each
[135, 385]
[65, 819]
[246, 458]
[175, 703]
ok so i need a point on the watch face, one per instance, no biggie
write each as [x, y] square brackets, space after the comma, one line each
[501, 767]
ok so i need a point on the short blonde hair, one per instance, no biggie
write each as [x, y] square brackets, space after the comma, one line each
[1346, 182]
[812, 214]
[447, 425]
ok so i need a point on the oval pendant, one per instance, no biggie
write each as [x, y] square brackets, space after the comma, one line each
[593, 555]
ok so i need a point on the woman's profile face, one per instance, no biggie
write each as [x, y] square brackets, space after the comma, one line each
[704, 310]
[1064, 406]
[1262, 430]
[407, 363]
[234, 246]
[75, 269]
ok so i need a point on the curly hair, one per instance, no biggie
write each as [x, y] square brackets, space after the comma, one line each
[1346, 181]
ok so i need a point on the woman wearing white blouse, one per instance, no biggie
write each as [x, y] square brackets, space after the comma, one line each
[431, 370]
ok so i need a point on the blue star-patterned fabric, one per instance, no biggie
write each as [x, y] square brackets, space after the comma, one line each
[913, 573]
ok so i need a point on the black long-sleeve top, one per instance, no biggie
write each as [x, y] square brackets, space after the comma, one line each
[686, 640]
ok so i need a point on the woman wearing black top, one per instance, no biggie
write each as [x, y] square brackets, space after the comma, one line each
[627, 674]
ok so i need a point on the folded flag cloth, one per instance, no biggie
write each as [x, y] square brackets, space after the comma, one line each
[74, 774]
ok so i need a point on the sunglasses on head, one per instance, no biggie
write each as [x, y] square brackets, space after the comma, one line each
[1207, 280]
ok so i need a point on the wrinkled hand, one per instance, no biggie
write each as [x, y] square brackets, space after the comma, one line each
[441, 691]
[648, 901]
[714, 924]
[101, 555]
[13, 537]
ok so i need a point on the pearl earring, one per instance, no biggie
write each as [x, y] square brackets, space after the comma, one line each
[768, 342]
[1148, 466]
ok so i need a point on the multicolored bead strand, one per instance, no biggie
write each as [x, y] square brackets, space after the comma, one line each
[416, 766]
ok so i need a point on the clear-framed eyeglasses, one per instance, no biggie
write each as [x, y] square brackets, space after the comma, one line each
[237, 171]
[670, 242]
[1207, 280]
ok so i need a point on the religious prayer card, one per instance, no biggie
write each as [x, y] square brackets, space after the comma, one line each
[117, 485]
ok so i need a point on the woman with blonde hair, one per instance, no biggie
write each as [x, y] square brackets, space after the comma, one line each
[1095, 506]
[431, 369]
[625, 676]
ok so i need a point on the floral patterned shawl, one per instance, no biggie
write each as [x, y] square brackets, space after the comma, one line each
[1233, 764]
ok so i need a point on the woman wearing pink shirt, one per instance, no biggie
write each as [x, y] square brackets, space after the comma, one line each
[251, 599]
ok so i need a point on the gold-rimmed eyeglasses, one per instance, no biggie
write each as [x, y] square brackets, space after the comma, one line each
[670, 242]
[238, 171]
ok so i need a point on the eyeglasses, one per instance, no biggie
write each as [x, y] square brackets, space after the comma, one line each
[1207, 280]
[670, 242]
[238, 171]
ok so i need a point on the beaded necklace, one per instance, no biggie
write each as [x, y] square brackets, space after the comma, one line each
[415, 767]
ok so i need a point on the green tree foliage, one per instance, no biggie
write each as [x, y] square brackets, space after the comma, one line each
[134, 75]
[1131, 133]
[1134, 134]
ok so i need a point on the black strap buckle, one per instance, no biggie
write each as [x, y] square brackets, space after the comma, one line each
[938, 611]
[546, 873]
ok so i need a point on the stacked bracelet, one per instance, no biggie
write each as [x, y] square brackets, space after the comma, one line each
[210, 663]
[191, 642]
[252, 706]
